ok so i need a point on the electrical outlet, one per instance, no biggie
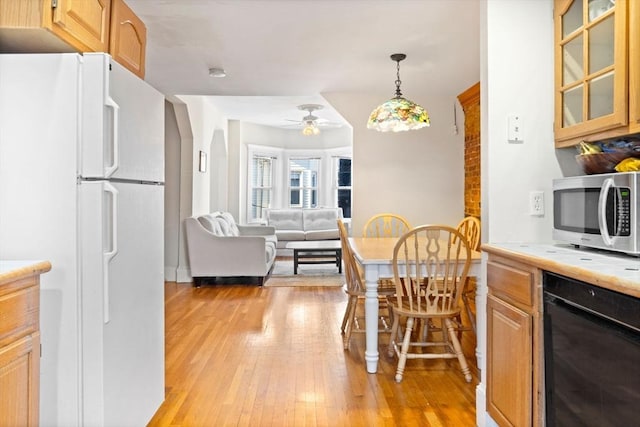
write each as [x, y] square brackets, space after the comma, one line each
[536, 203]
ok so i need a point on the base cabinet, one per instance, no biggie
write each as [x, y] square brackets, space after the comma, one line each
[19, 382]
[20, 342]
[509, 364]
[513, 343]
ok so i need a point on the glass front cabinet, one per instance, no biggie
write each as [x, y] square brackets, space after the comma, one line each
[596, 71]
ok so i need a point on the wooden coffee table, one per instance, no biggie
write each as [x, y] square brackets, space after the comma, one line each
[316, 252]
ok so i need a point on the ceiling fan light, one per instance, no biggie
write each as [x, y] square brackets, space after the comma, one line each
[310, 129]
[398, 114]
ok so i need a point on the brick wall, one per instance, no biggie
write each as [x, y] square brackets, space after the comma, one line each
[470, 102]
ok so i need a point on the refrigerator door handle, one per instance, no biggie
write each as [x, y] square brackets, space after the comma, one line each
[108, 255]
[110, 103]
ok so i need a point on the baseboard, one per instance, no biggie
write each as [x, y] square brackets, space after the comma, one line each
[183, 275]
[170, 274]
[483, 419]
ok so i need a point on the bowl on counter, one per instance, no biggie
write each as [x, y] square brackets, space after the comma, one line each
[593, 163]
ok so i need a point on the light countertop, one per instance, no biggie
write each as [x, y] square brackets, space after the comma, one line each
[15, 270]
[609, 270]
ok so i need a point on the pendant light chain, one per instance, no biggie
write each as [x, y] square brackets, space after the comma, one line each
[398, 82]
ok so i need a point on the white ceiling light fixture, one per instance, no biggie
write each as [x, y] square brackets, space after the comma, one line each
[217, 72]
[310, 125]
[310, 129]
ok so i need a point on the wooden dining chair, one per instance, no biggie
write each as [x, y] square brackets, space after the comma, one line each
[354, 287]
[470, 228]
[386, 225]
[430, 266]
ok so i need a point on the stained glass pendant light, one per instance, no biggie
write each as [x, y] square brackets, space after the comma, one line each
[398, 113]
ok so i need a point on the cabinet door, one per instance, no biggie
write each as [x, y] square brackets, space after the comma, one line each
[128, 40]
[509, 364]
[83, 23]
[591, 73]
[634, 66]
[19, 379]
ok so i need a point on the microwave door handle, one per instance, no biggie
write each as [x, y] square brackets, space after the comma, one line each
[602, 211]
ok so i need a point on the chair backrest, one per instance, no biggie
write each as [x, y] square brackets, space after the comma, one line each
[386, 225]
[469, 227]
[430, 267]
[352, 273]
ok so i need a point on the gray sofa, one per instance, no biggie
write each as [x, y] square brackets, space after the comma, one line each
[219, 248]
[294, 225]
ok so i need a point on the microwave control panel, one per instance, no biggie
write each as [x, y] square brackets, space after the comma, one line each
[623, 211]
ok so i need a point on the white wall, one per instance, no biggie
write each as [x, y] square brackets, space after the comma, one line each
[205, 120]
[193, 125]
[418, 174]
[516, 78]
[171, 193]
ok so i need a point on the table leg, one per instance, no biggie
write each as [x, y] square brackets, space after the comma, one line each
[295, 261]
[339, 260]
[371, 307]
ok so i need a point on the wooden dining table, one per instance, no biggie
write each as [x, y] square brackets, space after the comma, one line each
[375, 254]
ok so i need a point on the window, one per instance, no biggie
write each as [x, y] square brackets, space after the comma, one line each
[303, 182]
[261, 185]
[343, 185]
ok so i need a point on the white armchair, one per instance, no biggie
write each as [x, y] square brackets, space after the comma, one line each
[218, 247]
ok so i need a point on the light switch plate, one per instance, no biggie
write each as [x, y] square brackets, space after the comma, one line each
[514, 128]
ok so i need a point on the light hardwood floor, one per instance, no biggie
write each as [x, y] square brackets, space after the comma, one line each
[239, 355]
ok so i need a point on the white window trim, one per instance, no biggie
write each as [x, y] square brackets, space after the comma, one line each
[327, 194]
[276, 155]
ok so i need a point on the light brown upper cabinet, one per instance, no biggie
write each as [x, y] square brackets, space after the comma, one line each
[634, 66]
[54, 25]
[128, 38]
[596, 82]
[38, 26]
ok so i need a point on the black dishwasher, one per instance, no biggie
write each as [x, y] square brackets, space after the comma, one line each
[591, 355]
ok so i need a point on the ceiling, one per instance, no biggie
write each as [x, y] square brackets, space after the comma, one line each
[279, 54]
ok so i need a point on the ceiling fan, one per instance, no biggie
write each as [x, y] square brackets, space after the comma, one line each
[312, 123]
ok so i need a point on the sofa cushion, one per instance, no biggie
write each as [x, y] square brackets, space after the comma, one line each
[225, 227]
[211, 224]
[322, 234]
[270, 252]
[320, 219]
[290, 235]
[285, 219]
[232, 228]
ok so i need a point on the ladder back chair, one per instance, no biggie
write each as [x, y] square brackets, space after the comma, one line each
[386, 225]
[355, 290]
[470, 228]
[430, 266]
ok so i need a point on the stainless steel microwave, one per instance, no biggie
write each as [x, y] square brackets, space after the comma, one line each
[598, 211]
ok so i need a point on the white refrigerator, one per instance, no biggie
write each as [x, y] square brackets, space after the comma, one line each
[81, 185]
